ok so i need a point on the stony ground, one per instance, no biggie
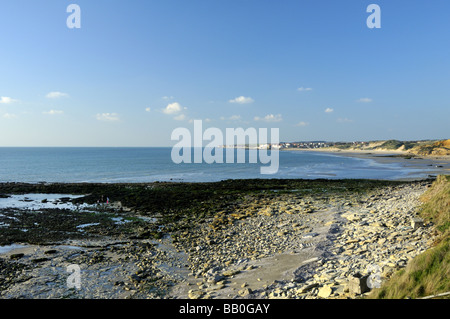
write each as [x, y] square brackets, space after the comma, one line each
[277, 244]
[307, 248]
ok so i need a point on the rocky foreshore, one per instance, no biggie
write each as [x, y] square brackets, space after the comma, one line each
[279, 239]
[308, 247]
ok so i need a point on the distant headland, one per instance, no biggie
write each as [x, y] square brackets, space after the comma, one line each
[436, 148]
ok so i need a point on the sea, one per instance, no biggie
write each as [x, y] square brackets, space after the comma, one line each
[141, 165]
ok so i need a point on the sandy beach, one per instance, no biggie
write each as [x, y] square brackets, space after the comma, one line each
[434, 165]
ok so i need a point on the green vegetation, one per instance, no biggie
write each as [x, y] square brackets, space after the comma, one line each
[436, 205]
[428, 273]
[344, 146]
[394, 145]
[436, 148]
[424, 148]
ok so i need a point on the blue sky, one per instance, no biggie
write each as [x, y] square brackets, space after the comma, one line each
[136, 70]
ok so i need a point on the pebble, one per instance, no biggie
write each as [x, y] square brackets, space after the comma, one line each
[374, 233]
[360, 240]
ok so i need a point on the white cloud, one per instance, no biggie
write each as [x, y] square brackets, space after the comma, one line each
[231, 118]
[53, 112]
[269, 118]
[9, 116]
[108, 117]
[329, 110]
[365, 100]
[166, 98]
[180, 117]
[302, 124]
[172, 108]
[56, 95]
[242, 100]
[148, 109]
[303, 89]
[6, 100]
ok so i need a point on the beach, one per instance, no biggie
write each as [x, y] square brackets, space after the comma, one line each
[434, 165]
[233, 239]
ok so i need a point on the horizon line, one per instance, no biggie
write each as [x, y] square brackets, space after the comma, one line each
[306, 141]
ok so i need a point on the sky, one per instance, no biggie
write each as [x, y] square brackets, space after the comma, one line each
[136, 70]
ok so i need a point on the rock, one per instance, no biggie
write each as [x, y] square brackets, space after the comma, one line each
[214, 278]
[351, 217]
[229, 273]
[416, 223]
[214, 287]
[308, 288]
[39, 260]
[16, 256]
[358, 284]
[308, 210]
[324, 292]
[356, 239]
[136, 278]
[244, 292]
[195, 294]
[310, 235]
[341, 289]
[267, 212]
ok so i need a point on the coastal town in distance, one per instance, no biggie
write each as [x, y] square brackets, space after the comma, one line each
[422, 147]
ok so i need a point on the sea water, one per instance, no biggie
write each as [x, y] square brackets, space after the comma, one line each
[135, 165]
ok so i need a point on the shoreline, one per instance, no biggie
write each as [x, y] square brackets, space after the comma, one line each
[433, 165]
[257, 239]
[369, 152]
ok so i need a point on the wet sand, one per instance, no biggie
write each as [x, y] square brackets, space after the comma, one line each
[431, 165]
